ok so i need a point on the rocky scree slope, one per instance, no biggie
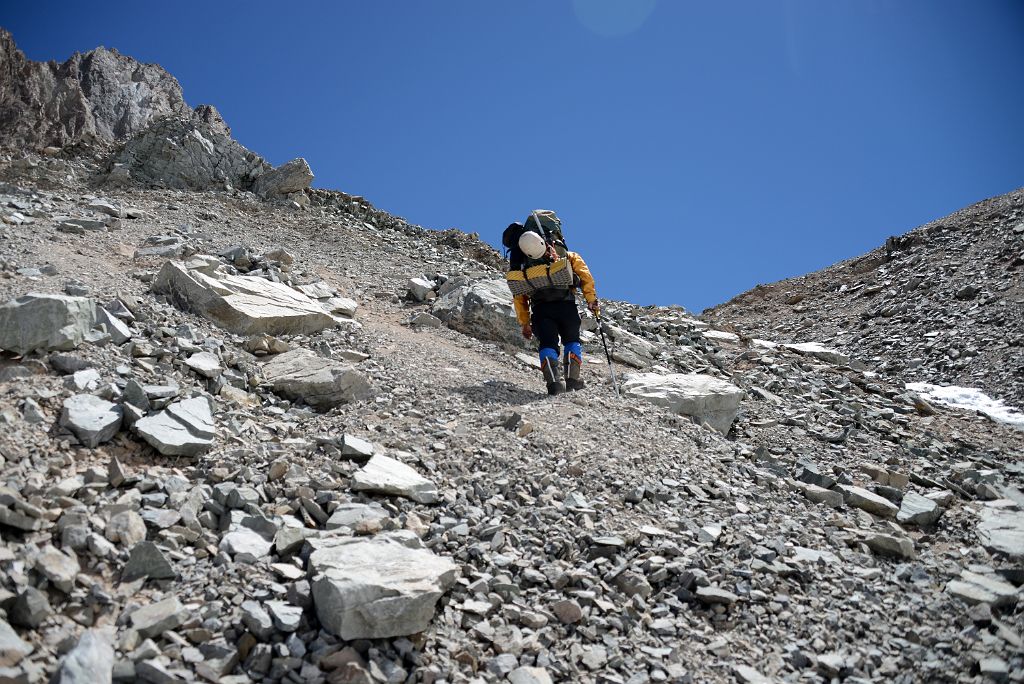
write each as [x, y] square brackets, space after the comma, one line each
[299, 440]
[942, 304]
[843, 529]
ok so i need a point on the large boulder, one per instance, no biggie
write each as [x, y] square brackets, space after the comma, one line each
[295, 176]
[245, 305]
[703, 397]
[482, 309]
[45, 322]
[376, 588]
[301, 375]
[185, 428]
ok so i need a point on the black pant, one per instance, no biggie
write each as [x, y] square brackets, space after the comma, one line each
[551, 320]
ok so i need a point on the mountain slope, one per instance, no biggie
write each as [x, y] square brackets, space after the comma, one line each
[943, 303]
[841, 529]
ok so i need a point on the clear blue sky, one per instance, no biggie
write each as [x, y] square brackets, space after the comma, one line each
[693, 149]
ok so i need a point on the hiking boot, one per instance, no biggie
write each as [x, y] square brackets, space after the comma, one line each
[573, 365]
[552, 376]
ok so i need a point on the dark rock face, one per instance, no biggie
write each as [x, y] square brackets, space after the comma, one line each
[100, 96]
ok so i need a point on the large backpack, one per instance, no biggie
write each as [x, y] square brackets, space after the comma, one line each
[545, 223]
[528, 276]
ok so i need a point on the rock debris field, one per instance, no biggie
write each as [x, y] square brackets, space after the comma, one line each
[256, 432]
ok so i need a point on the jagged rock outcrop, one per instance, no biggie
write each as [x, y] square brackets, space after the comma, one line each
[185, 153]
[100, 95]
[103, 97]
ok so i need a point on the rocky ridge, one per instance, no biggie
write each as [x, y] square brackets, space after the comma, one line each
[942, 304]
[301, 441]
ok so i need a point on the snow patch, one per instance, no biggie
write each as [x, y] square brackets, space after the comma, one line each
[970, 399]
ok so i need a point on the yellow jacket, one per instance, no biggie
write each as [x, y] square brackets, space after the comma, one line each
[579, 267]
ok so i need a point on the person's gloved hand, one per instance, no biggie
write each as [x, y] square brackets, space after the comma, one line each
[595, 307]
[527, 332]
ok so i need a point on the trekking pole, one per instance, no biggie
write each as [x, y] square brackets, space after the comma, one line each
[607, 354]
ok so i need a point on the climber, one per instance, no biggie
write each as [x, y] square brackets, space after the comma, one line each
[544, 276]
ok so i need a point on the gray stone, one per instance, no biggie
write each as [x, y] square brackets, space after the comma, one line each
[419, 288]
[974, 588]
[858, 497]
[205, 364]
[821, 495]
[385, 475]
[257, 620]
[30, 608]
[12, 648]
[482, 309]
[286, 617]
[91, 661]
[817, 351]
[888, 545]
[342, 306]
[628, 348]
[355, 447]
[703, 397]
[157, 618]
[45, 322]
[291, 177]
[105, 207]
[244, 541]
[147, 560]
[116, 328]
[126, 527]
[713, 595]
[91, 419]
[322, 383]
[32, 412]
[425, 320]
[289, 540]
[83, 380]
[185, 428]
[529, 675]
[58, 567]
[748, 675]
[18, 520]
[1001, 530]
[379, 587]
[918, 510]
[241, 304]
[567, 611]
[348, 515]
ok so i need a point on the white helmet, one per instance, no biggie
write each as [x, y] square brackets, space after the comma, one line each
[532, 244]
